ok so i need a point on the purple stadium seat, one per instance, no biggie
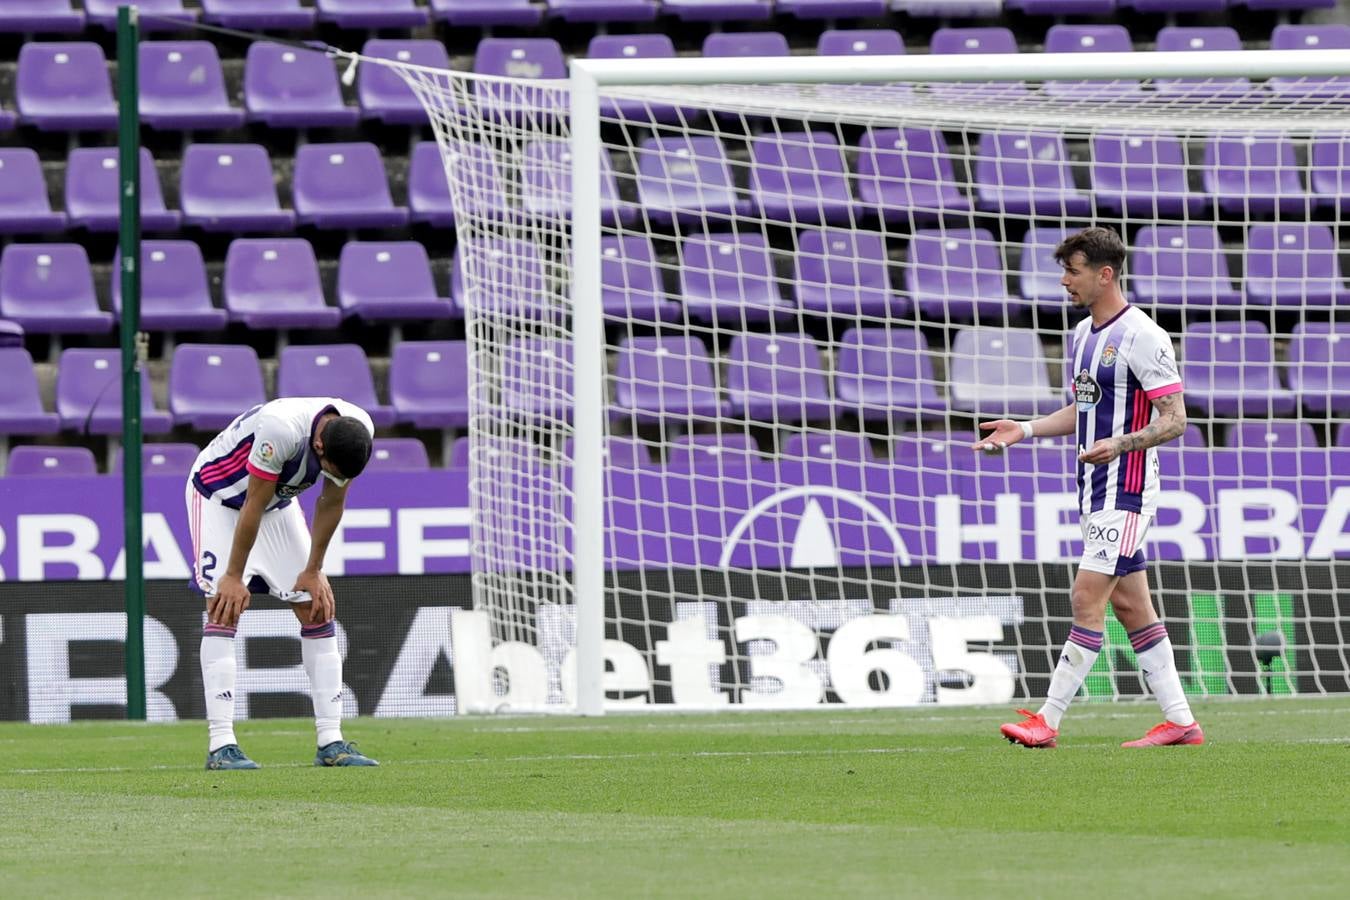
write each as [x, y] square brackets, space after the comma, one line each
[657, 378]
[383, 93]
[21, 409]
[1310, 37]
[487, 12]
[372, 13]
[957, 274]
[997, 39]
[718, 450]
[536, 377]
[546, 188]
[1198, 40]
[532, 58]
[344, 186]
[274, 283]
[799, 177]
[886, 373]
[49, 289]
[429, 383]
[906, 173]
[93, 191]
[1255, 175]
[258, 14]
[634, 46]
[777, 377]
[832, 9]
[512, 277]
[32, 461]
[499, 452]
[1142, 175]
[64, 86]
[736, 44]
[11, 334]
[1038, 273]
[285, 87]
[398, 455]
[718, 10]
[603, 10]
[859, 42]
[1000, 371]
[630, 282]
[331, 370]
[1175, 6]
[729, 278]
[1063, 7]
[1181, 265]
[182, 86]
[89, 394]
[618, 451]
[388, 280]
[1090, 39]
[41, 16]
[1319, 369]
[175, 295]
[845, 272]
[1272, 436]
[1329, 160]
[686, 179]
[24, 205]
[165, 458]
[1292, 264]
[1228, 369]
[429, 197]
[230, 187]
[155, 15]
[1027, 173]
[828, 446]
[210, 384]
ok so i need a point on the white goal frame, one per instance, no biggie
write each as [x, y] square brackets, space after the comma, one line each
[590, 76]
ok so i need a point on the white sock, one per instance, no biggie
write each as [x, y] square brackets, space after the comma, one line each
[1075, 661]
[218, 668]
[323, 665]
[1160, 671]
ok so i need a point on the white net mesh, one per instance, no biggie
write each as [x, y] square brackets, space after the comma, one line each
[811, 295]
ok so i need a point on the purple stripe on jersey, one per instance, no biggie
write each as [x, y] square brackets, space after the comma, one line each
[1129, 474]
[1086, 638]
[224, 480]
[1082, 359]
[1149, 636]
[326, 630]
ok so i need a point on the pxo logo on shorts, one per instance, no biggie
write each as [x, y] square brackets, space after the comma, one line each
[1098, 533]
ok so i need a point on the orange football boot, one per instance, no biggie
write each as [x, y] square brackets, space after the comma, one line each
[1031, 731]
[1169, 734]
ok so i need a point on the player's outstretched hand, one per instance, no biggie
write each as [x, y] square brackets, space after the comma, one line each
[231, 599]
[321, 595]
[1101, 452]
[1003, 434]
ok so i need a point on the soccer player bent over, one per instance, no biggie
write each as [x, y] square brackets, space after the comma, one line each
[248, 534]
[1127, 401]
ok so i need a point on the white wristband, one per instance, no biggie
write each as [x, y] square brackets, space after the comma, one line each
[1027, 430]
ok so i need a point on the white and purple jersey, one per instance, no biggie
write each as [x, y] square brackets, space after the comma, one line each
[1119, 368]
[274, 441]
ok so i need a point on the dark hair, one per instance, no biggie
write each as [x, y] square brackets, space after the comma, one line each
[1099, 246]
[346, 443]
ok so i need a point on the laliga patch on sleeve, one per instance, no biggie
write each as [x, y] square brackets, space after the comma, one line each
[266, 451]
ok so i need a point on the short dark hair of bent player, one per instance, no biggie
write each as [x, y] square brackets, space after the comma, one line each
[347, 445]
[1099, 246]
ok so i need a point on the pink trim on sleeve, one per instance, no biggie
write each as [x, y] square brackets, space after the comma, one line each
[265, 476]
[1163, 391]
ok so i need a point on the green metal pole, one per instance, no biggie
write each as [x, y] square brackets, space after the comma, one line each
[129, 236]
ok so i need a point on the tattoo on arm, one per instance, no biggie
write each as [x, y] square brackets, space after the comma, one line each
[1169, 424]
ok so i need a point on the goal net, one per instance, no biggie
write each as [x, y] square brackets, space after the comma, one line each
[731, 336]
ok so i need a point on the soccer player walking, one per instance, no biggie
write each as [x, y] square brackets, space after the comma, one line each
[1127, 401]
[248, 535]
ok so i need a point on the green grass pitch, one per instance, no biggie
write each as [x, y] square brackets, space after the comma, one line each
[903, 803]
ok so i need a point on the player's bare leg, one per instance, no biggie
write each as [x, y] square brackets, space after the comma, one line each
[1089, 597]
[1134, 608]
[323, 665]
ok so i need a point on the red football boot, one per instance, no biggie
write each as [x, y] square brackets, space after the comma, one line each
[1169, 734]
[1031, 731]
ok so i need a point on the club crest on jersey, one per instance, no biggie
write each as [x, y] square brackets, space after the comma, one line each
[1086, 391]
[266, 450]
[1109, 355]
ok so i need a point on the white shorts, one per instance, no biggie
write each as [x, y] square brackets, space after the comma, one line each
[276, 561]
[1113, 541]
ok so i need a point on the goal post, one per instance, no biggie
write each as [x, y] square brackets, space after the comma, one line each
[730, 324]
